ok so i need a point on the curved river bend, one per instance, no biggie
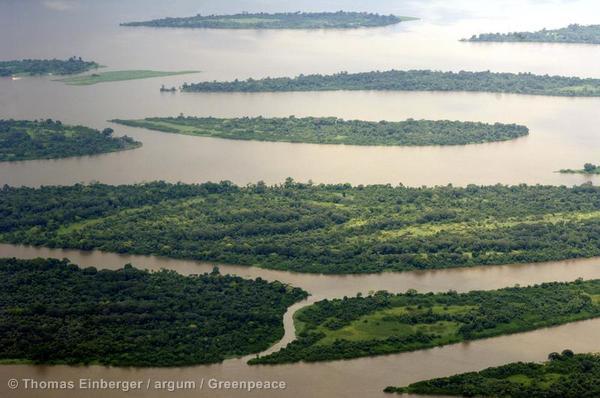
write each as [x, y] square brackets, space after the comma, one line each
[563, 135]
[363, 377]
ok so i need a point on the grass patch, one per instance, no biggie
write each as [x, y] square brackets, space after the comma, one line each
[115, 76]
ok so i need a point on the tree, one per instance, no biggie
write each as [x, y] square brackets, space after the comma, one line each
[589, 167]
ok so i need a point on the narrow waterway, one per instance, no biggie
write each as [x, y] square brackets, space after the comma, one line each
[357, 377]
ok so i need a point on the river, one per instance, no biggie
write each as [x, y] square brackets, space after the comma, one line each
[563, 135]
[563, 130]
[364, 377]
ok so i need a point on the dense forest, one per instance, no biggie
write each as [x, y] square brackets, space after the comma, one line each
[565, 375]
[31, 67]
[312, 228]
[53, 312]
[571, 34]
[414, 80]
[49, 139]
[385, 323]
[291, 20]
[331, 130]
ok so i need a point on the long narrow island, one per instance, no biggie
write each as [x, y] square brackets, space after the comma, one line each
[565, 375]
[579, 34]
[331, 130]
[33, 67]
[50, 139]
[386, 323]
[118, 76]
[289, 20]
[59, 313]
[333, 229]
[413, 80]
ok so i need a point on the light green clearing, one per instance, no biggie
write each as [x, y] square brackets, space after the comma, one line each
[119, 75]
[381, 325]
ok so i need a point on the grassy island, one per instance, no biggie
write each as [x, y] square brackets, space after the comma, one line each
[32, 67]
[571, 34]
[49, 139]
[588, 168]
[414, 80]
[53, 312]
[291, 20]
[565, 375]
[331, 130]
[119, 75]
[385, 323]
[332, 229]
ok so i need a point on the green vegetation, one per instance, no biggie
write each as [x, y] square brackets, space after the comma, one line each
[330, 130]
[292, 20]
[414, 80]
[53, 312]
[48, 139]
[588, 168]
[385, 323]
[566, 375]
[31, 67]
[312, 228]
[120, 75]
[571, 34]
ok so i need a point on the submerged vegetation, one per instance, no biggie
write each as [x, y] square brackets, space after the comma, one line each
[49, 139]
[414, 80]
[53, 312]
[571, 34]
[386, 323]
[565, 375]
[120, 75]
[331, 130]
[31, 67]
[588, 168]
[312, 228]
[291, 20]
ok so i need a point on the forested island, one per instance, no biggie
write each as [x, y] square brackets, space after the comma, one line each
[332, 229]
[588, 168]
[331, 130]
[565, 375]
[574, 33]
[32, 67]
[289, 20]
[385, 323]
[413, 80]
[119, 75]
[50, 139]
[53, 312]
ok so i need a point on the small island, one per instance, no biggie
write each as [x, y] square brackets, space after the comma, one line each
[385, 323]
[120, 75]
[588, 168]
[574, 33]
[565, 375]
[413, 80]
[331, 130]
[290, 20]
[34, 67]
[49, 139]
[315, 228]
[59, 313]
